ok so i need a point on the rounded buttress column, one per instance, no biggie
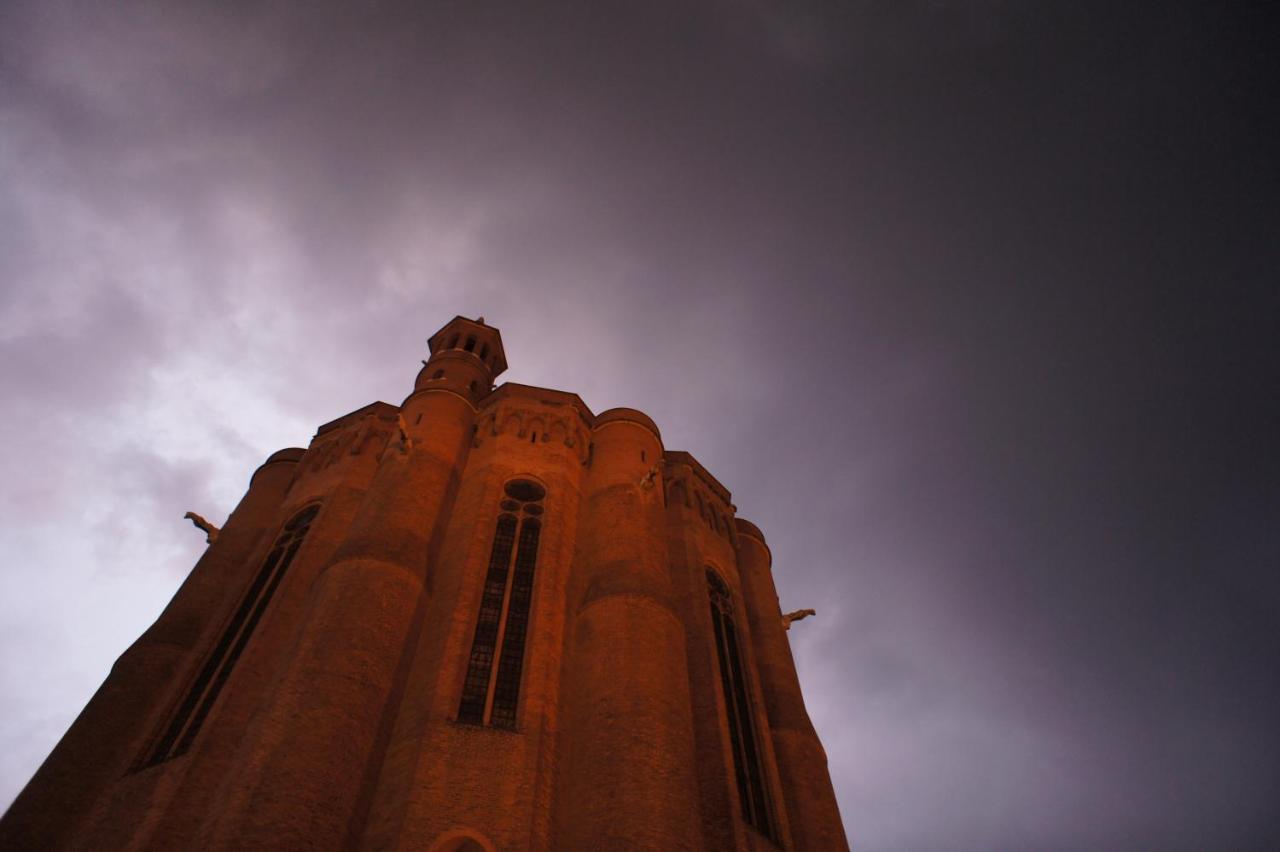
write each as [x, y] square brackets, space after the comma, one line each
[627, 774]
[303, 771]
[810, 800]
[108, 736]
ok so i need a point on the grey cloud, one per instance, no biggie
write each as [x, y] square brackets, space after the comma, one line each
[961, 301]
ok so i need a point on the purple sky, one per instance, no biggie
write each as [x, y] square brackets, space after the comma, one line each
[973, 306]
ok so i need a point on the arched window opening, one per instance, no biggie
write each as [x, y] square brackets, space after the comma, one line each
[471, 344]
[437, 375]
[461, 844]
[752, 793]
[533, 437]
[203, 693]
[461, 841]
[491, 689]
[484, 353]
[453, 342]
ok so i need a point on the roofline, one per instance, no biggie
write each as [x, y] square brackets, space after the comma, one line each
[686, 458]
[372, 408]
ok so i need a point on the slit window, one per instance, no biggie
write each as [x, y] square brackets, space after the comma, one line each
[491, 687]
[752, 793]
[201, 696]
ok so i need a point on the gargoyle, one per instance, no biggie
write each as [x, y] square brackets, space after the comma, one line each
[646, 481]
[405, 443]
[789, 617]
[210, 531]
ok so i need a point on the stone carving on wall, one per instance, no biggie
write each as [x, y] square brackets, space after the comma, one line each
[406, 443]
[210, 531]
[646, 481]
[789, 617]
[353, 440]
[523, 423]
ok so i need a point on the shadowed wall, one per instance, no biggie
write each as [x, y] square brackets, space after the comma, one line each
[484, 619]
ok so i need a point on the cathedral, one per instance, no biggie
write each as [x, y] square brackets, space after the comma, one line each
[484, 619]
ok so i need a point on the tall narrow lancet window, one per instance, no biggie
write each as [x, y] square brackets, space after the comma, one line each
[203, 692]
[492, 685]
[752, 794]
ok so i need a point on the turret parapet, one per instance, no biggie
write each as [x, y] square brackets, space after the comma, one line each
[471, 336]
[628, 415]
[750, 530]
[288, 454]
[466, 355]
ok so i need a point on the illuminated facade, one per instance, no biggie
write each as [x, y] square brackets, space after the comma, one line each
[486, 619]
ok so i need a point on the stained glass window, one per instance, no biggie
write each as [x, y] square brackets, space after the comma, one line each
[491, 688]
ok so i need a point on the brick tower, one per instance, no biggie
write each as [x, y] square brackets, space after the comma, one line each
[481, 620]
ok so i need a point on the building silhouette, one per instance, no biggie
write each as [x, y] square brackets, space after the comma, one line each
[482, 620]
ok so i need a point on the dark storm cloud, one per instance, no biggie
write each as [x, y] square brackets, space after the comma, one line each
[971, 305]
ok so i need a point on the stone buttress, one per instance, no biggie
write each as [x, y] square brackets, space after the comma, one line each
[480, 620]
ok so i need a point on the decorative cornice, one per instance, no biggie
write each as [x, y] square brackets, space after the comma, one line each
[516, 417]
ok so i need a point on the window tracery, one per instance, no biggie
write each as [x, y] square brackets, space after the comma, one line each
[752, 793]
[204, 690]
[491, 688]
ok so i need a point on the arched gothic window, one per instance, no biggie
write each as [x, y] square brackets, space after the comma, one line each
[752, 793]
[203, 692]
[492, 685]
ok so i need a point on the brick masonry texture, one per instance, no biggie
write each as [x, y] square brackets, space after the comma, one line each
[309, 698]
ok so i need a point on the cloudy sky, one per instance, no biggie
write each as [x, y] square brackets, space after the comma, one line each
[972, 305]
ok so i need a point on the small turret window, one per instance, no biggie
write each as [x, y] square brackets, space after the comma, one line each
[491, 688]
[484, 352]
[453, 342]
[203, 693]
[438, 374]
[471, 344]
